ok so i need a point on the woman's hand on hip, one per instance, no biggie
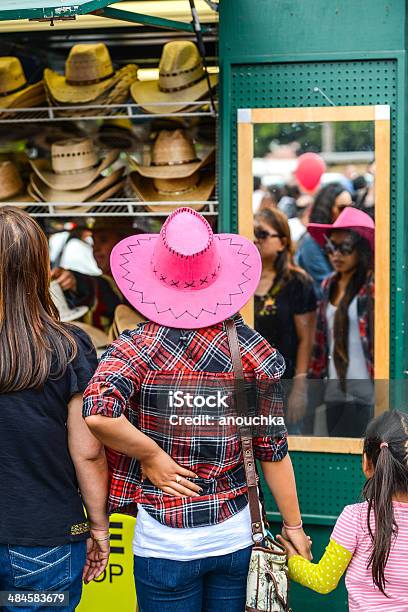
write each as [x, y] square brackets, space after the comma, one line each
[168, 475]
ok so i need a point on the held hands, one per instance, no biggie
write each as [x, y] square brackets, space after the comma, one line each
[65, 278]
[296, 542]
[97, 554]
[168, 475]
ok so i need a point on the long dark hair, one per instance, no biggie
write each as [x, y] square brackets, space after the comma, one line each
[322, 210]
[390, 477]
[33, 343]
[341, 319]
[284, 265]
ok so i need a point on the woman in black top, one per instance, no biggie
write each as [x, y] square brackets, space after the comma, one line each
[285, 307]
[51, 465]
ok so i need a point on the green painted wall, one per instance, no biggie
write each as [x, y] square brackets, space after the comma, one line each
[272, 54]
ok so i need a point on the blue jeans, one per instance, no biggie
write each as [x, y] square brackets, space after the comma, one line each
[43, 568]
[212, 584]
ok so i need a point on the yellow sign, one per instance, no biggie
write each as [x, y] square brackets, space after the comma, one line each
[115, 588]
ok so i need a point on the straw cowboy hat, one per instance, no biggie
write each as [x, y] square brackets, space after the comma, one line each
[11, 184]
[79, 195]
[14, 89]
[186, 276]
[66, 313]
[349, 219]
[181, 79]
[197, 187]
[99, 339]
[173, 156]
[74, 165]
[124, 318]
[89, 74]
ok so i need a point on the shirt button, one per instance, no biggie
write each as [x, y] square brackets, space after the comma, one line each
[100, 403]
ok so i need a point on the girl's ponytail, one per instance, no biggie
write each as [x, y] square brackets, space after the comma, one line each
[386, 446]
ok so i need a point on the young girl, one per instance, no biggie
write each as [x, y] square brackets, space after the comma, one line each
[370, 539]
[343, 345]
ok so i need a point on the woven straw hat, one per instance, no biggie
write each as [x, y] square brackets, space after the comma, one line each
[99, 339]
[89, 74]
[181, 79]
[79, 195]
[66, 313]
[74, 164]
[173, 156]
[11, 185]
[197, 187]
[124, 318]
[14, 90]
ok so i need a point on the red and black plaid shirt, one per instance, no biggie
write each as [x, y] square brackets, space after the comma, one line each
[319, 361]
[139, 369]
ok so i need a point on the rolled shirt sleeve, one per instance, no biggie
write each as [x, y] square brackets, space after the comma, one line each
[116, 379]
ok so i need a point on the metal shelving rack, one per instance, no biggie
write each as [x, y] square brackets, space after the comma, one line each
[48, 10]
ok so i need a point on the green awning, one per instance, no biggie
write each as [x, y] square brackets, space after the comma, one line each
[48, 9]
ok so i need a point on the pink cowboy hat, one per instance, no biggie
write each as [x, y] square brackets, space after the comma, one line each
[186, 276]
[349, 219]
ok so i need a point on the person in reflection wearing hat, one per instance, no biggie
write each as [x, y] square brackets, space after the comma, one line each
[100, 293]
[343, 347]
[194, 531]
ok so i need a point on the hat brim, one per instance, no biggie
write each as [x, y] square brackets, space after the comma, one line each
[236, 283]
[74, 181]
[127, 318]
[98, 337]
[146, 192]
[321, 231]
[77, 196]
[20, 197]
[145, 92]
[75, 313]
[83, 208]
[31, 93]
[169, 172]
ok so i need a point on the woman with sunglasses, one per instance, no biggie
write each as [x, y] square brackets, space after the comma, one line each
[330, 201]
[285, 306]
[343, 347]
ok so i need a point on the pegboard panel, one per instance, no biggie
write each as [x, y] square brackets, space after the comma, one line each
[342, 83]
[325, 482]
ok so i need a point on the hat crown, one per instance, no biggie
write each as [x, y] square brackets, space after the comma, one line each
[173, 148]
[11, 75]
[351, 217]
[10, 180]
[185, 256]
[88, 63]
[180, 66]
[73, 155]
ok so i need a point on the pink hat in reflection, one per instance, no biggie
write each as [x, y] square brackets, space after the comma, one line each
[186, 276]
[349, 219]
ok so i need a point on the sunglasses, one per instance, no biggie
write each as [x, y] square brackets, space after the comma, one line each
[261, 234]
[344, 248]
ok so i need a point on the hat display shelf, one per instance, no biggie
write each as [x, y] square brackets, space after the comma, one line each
[183, 91]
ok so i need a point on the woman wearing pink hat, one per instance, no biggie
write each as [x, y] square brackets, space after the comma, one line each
[344, 338]
[194, 529]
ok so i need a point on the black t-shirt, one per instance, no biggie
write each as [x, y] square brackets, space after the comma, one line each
[39, 499]
[275, 312]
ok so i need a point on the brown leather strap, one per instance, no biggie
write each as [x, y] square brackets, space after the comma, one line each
[245, 433]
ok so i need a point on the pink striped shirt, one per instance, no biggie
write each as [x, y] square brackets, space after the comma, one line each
[351, 532]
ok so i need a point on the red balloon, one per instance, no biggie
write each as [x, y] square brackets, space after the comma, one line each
[309, 171]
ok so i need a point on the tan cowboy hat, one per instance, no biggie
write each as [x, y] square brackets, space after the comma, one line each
[74, 164]
[14, 89]
[173, 156]
[181, 79]
[11, 185]
[89, 74]
[197, 187]
[67, 314]
[78, 196]
[81, 208]
[99, 339]
[124, 318]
